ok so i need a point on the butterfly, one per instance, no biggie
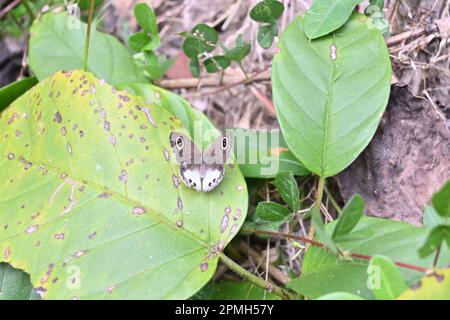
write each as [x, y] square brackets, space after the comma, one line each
[201, 170]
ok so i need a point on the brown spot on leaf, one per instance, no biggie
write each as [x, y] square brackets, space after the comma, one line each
[57, 118]
[179, 223]
[59, 236]
[80, 253]
[11, 156]
[138, 211]
[149, 117]
[106, 125]
[204, 266]
[237, 214]
[233, 228]
[13, 117]
[123, 176]
[31, 228]
[69, 148]
[175, 180]
[7, 253]
[224, 224]
[166, 154]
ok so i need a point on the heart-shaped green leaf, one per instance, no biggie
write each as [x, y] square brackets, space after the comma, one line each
[330, 93]
[326, 16]
[56, 44]
[92, 204]
[267, 11]
[216, 63]
[266, 35]
[138, 40]
[146, 19]
[240, 51]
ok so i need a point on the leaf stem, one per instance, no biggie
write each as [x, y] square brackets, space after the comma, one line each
[319, 194]
[436, 257]
[29, 10]
[282, 293]
[333, 201]
[88, 35]
[321, 245]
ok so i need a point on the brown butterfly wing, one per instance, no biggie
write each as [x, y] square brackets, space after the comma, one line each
[218, 152]
[186, 152]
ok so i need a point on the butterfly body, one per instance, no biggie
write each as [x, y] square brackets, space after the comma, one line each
[202, 171]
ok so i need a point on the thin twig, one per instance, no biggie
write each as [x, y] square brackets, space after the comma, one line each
[9, 7]
[88, 35]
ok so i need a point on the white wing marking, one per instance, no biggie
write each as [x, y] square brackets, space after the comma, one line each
[191, 179]
[211, 179]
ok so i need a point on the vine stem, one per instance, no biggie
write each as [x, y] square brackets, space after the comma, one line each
[333, 201]
[88, 35]
[321, 245]
[266, 285]
[319, 196]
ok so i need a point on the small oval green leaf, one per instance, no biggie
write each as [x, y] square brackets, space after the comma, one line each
[267, 11]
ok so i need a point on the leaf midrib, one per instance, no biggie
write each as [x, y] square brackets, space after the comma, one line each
[327, 111]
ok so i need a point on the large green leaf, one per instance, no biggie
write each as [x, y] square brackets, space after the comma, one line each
[326, 16]
[192, 119]
[15, 284]
[14, 90]
[323, 273]
[92, 205]
[330, 93]
[54, 46]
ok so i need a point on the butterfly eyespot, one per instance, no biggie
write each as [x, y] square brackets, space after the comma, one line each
[209, 184]
[190, 180]
[179, 143]
[224, 143]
